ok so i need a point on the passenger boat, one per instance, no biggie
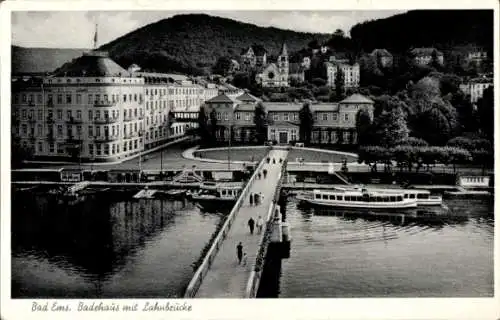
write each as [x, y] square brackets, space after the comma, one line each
[214, 194]
[423, 197]
[358, 199]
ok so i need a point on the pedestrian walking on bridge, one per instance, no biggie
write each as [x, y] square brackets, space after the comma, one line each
[260, 224]
[264, 172]
[251, 225]
[239, 252]
[251, 199]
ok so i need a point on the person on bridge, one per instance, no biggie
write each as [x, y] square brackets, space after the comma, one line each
[245, 259]
[264, 172]
[274, 161]
[251, 199]
[239, 252]
[258, 175]
[256, 199]
[260, 224]
[251, 225]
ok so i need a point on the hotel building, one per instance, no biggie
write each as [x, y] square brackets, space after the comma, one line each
[92, 109]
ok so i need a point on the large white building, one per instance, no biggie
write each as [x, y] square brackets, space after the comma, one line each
[92, 109]
[350, 72]
[475, 88]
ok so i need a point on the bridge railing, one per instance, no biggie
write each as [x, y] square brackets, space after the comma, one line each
[202, 270]
[258, 264]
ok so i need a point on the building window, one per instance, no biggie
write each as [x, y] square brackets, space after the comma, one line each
[325, 116]
[24, 129]
[40, 114]
[295, 116]
[124, 98]
[59, 130]
[226, 116]
[39, 98]
[315, 116]
[78, 114]
[91, 101]
[91, 149]
[238, 116]
[247, 116]
[24, 114]
[40, 147]
[98, 131]
[276, 116]
[346, 117]
[294, 135]
[219, 117]
[69, 114]
[24, 99]
[68, 98]
[91, 131]
[39, 130]
[59, 99]
[59, 114]
[285, 117]
[78, 98]
[334, 116]
[51, 147]
[90, 115]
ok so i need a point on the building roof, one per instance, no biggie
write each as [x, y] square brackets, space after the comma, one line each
[294, 107]
[221, 98]
[245, 107]
[425, 51]
[246, 97]
[93, 64]
[381, 52]
[356, 98]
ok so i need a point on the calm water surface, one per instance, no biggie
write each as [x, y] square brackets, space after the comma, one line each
[105, 247]
[335, 256]
[108, 247]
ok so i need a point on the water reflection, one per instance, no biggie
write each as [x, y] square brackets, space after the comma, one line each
[105, 246]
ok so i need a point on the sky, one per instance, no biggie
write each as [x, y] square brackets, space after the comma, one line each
[75, 29]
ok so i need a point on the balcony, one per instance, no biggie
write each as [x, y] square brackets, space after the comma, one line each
[74, 121]
[104, 104]
[106, 138]
[106, 120]
[129, 118]
[74, 139]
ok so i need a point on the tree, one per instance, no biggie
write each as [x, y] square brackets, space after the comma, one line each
[364, 127]
[222, 65]
[203, 131]
[213, 124]
[390, 127]
[306, 123]
[259, 119]
[339, 84]
[486, 113]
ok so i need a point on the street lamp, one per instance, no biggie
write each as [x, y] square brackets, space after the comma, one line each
[231, 123]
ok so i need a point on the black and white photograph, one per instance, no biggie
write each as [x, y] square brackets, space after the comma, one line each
[165, 155]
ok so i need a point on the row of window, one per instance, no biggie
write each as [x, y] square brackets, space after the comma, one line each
[171, 91]
[68, 98]
[359, 198]
[30, 114]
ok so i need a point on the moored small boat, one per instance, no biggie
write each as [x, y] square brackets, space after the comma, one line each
[213, 195]
[423, 197]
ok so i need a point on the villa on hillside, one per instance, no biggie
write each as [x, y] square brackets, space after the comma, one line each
[383, 57]
[351, 72]
[475, 88]
[334, 123]
[424, 56]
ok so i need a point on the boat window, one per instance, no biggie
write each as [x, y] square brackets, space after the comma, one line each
[359, 198]
[423, 196]
[392, 198]
[412, 196]
[400, 198]
[339, 198]
[406, 196]
[386, 199]
[347, 198]
[332, 197]
[325, 197]
[317, 196]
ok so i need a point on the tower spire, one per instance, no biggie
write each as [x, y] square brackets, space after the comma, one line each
[95, 37]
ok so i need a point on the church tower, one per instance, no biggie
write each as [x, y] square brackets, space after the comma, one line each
[283, 65]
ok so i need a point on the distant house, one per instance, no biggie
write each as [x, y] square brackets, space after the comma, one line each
[383, 57]
[235, 66]
[306, 63]
[424, 56]
[134, 68]
[475, 88]
[252, 57]
[350, 71]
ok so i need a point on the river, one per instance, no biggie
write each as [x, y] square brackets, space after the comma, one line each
[108, 247]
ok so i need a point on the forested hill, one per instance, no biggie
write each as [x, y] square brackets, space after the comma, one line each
[419, 28]
[191, 43]
[41, 60]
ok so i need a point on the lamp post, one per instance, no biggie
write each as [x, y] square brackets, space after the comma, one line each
[231, 122]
